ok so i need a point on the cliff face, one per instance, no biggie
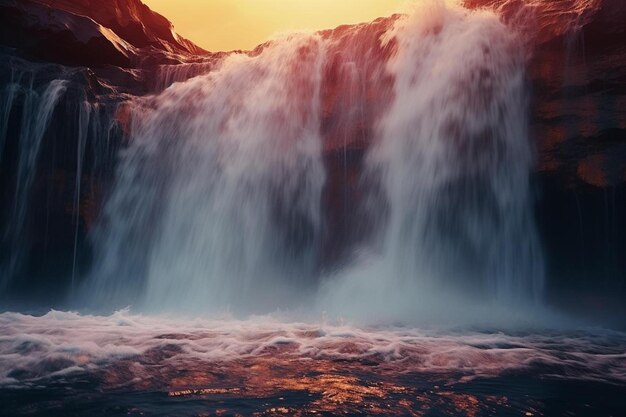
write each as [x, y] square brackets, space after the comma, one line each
[131, 20]
[105, 53]
[578, 120]
[123, 43]
[93, 33]
[577, 78]
[65, 68]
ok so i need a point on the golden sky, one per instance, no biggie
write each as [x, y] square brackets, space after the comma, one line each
[222, 25]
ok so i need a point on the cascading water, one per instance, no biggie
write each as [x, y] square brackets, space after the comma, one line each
[451, 169]
[218, 198]
[217, 202]
[54, 145]
[357, 201]
[170, 74]
[37, 107]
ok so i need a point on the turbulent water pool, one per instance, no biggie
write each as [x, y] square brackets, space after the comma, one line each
[67, 364]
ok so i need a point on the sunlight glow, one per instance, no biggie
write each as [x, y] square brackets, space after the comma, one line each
[222, 25]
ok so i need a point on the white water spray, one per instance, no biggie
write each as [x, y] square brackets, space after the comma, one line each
[218, 199]
[452, 167]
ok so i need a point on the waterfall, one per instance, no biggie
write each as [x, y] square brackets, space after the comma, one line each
[57, 143]
[36, 106]
[217, 200]
[169, 74]
[454, 155]
[450, 169]
[218, 197]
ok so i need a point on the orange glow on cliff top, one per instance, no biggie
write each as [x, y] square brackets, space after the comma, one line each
[223, 25]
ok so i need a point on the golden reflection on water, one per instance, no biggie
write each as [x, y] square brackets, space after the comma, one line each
[325, 387]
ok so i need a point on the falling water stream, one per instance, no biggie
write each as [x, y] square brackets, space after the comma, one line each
[37, 108]
[218, 199]
[38, 105]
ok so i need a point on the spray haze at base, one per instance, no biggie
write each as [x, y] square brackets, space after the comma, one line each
[218, 202]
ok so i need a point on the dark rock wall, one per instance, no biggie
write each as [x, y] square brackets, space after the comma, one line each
[56, 160]
[579, 122]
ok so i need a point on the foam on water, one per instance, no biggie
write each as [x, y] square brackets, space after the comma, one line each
[62, 344]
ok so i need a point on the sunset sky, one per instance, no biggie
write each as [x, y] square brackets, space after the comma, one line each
[221, 25]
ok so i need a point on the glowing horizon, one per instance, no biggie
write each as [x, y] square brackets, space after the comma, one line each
[223, 25]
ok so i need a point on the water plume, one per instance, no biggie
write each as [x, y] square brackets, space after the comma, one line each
[218, 199]
[217, 203]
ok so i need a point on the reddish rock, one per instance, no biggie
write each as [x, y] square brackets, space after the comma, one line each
[131, 20]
